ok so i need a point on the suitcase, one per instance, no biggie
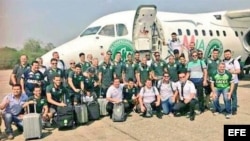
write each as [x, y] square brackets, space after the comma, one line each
[118, 113]
[65, 116]
[32, 125]
[93, 110]
[103, 103]
[81, 113]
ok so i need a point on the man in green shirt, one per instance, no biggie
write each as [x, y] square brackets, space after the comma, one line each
[57, 94]
[172, 68]
[222, 83]
[182, 66]
[41, 104]
[76, 83]
[158, 66]
[129, 69]
[212, 66]
[130, 92]
[144, 72]
[84, 64]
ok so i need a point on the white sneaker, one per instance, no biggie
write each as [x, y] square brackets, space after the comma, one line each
[228, 116]
[216, 113]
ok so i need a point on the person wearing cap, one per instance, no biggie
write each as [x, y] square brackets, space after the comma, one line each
[90, 82]
[84, 64]
[76, 84]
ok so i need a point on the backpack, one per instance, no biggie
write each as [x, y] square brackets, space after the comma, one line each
[160, 83]
[241, 74]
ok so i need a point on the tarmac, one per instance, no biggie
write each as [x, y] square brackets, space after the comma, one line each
[206, 126]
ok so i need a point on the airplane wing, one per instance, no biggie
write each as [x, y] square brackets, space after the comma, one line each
[239, 14]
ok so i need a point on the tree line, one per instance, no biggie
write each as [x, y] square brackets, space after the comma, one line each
[32, 48]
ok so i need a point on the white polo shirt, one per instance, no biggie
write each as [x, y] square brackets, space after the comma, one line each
[148, 95]
[233, 66]
[114, 92]
[187, 89]
[166, 89]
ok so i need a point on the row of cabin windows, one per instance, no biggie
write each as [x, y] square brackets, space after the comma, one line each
[210, 32]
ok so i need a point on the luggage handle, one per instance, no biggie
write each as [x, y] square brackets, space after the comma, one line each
[28, 107]
[81, 96]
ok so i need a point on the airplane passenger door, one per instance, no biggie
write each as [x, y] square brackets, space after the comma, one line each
[143, 27]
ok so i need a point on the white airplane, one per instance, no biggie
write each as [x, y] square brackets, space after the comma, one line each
[147, 30]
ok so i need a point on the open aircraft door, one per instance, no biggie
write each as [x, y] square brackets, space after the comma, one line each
[148, 35]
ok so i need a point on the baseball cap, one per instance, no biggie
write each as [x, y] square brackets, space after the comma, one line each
[91, 70]
[109, 52]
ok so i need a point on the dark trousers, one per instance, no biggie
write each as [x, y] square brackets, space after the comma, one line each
[183, 107]
[200, 96]
[110, 107]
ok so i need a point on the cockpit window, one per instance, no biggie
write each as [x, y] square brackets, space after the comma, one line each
[90, 31]
[121, 30]
[108, 30]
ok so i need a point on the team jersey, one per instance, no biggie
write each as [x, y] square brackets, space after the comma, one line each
[31, 79]
[40, 103]
[221, 80]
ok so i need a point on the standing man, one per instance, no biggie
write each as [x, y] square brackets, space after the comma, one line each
[60, 63]
[212, 66]
[31, 78]
[172, 68]
[18, 70]
[144, 72]
[175, 43]
[197, 73]
[233, 66]
[129, 69]
[106, 75]
[84, 64]
[118, 66]
[222, 83]
[12, 105]
[52, 71]
[186, 93]
[158, 66]
[191, 49]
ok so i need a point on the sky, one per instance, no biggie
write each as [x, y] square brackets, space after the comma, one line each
[58, 21]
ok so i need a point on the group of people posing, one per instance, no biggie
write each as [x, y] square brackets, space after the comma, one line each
[144, 84]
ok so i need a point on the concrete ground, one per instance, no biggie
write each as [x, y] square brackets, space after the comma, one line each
[206, 126]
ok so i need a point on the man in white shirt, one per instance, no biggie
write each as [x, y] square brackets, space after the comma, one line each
[149, 98]
[233, 66]
[186, 92]
[114, 96]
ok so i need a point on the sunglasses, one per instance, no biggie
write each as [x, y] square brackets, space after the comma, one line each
[72, 63]
[54, 63]
[157, 55]
[194, 55]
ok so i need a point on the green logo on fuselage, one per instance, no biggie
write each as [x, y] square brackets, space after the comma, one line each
[123, 46]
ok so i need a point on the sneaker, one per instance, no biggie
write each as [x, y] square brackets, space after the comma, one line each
[192, 118]
[10, 137]
[216, 113]
[228, 116]
[171, 114]
[159, 115]
[234, 112]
